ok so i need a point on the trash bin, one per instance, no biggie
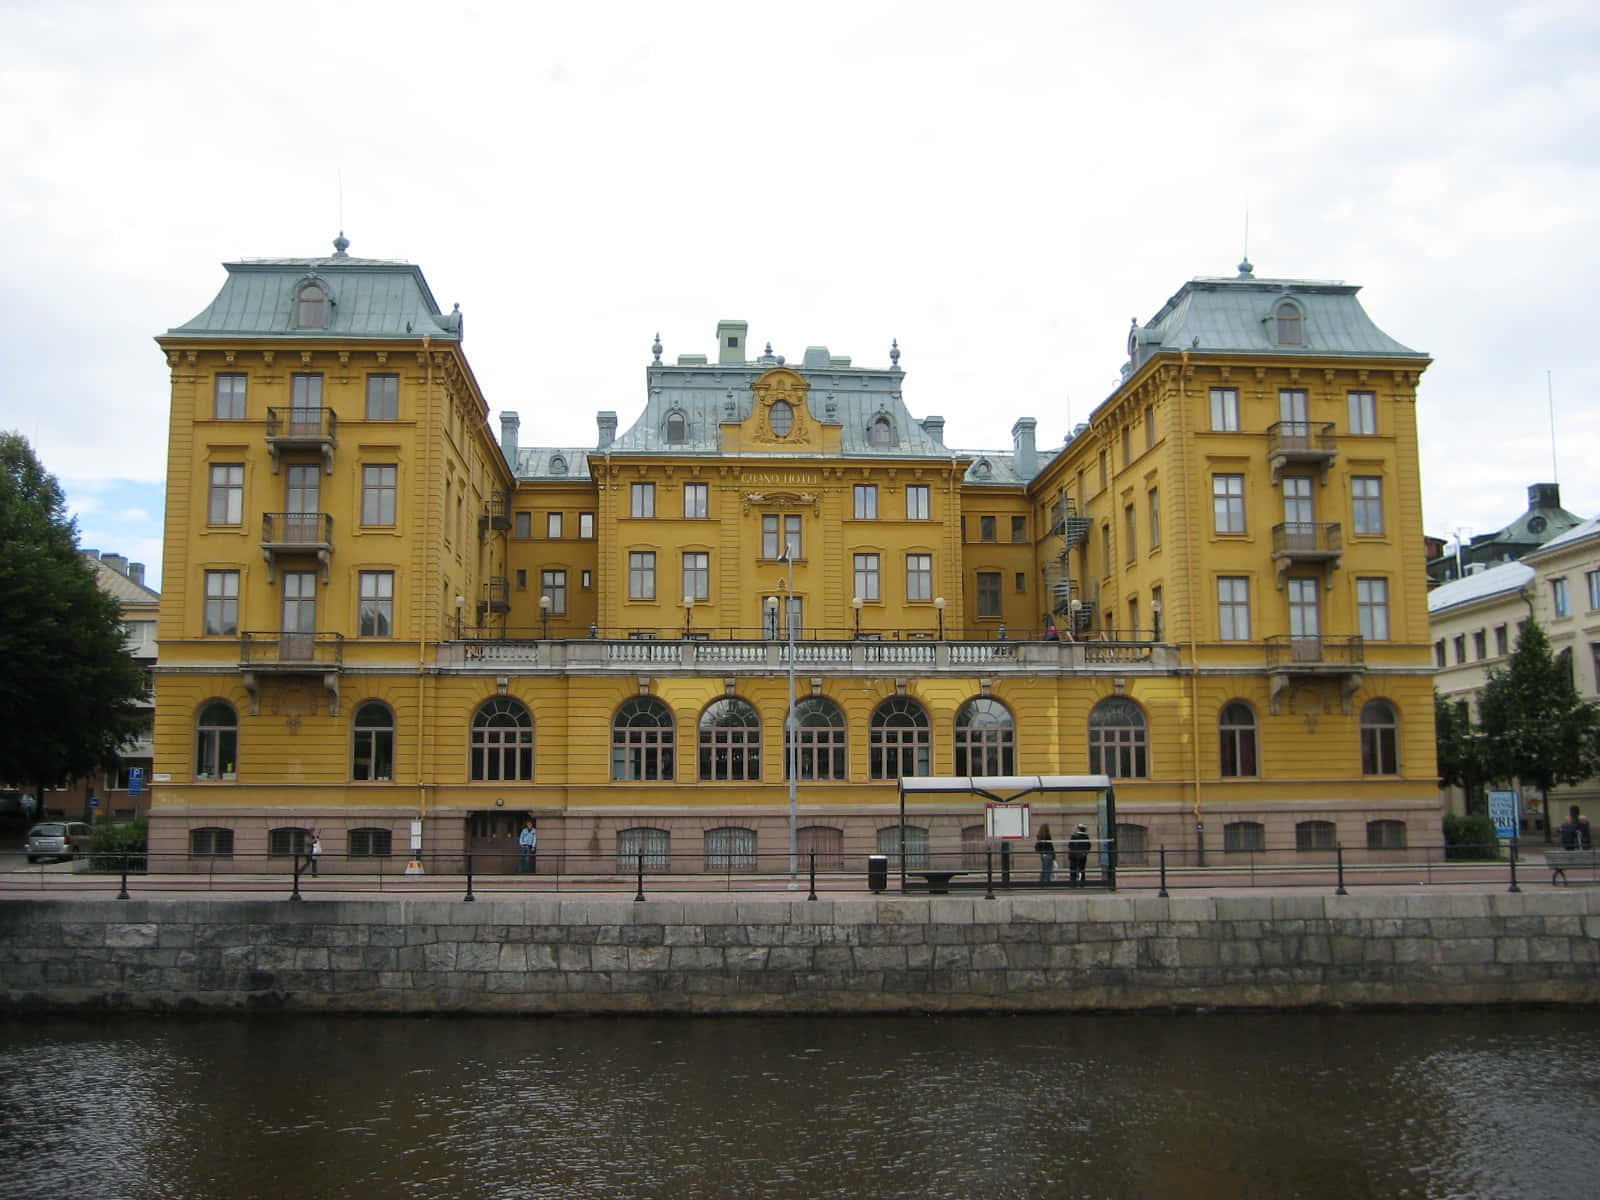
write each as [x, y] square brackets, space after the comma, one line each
[877, 872]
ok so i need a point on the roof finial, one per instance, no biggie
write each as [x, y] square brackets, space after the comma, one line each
[894, 352]
[340, 245]
[1245, 269]
[655, 346]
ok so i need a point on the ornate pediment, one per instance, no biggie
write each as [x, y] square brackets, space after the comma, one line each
[781, 416]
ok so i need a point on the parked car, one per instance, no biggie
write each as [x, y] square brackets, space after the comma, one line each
[57, 840]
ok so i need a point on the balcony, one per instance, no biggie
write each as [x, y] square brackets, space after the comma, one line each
[295, 534]
[283, 653]
[301, 429]
[1301, 443]
[497, 514]
[497, 597]
[1299, 543]
[1295, 658]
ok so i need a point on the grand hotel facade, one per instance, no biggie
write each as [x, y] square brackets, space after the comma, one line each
[384, 623]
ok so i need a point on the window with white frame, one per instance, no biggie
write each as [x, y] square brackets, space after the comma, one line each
[1233, 608]
[643, 500]
[1372, 609]
[985, 738]
[1560, 602]
[372, 750]
[1227, 503]
[377, 604]
[1155, 517]
[989, 594]
[216, 742]
[1225, 410]
[586, 526]
[919, 577]
[900, 741]
[697, 574]
[1363, 413]
[730, 741]
[1366, 504]
[1380, 732]
[522, 525]
[230, 397]
[643, 741]
[696, 501]
[1237, 729]
[780, 536]
[867, 578]
[730, 848]
[378, 485]
[502, 741]
[553, 525]
[227, 494]
[383, 397]
[917, 502]
[866, 502]
[553, 583]
[222, 603]
[641, 575]
[1118, 740]
[817, 741]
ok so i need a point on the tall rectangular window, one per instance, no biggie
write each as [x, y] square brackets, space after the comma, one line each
[1225, 410]
[1019, 529]
[866, 502]
[1127, 444]
[1459, 644]
[553, 583]
[1155, 517]
[917, 507]
[1363, 413]
[1149, 426]
[586, 526]
[780, 535]
[919, 577]
[305, 393]
[222, 603]
[1130, 524]
[1480, 644]
[696, 501]
[644, 500]
[227, 494]
[1233, 608]
[989, 594]
[377, 604]
[552, 525]
[230, 397]
[522, 525]
[1500, 642]
[1366, 502]
[642, 575]
[986, 529]
[867, 577]
[697, 574]
[1592, 580]
[378, 494]
[1227, 503]
[1372, 609]
[1559, 600]
[383, 397]
[1105, 476]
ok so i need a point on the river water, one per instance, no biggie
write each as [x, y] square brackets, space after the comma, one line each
[1337, 1105]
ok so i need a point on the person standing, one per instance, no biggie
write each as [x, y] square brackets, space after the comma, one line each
[528, 839]
[1575, 834]
[1078, 856]
[316, 852]
[1046, 849]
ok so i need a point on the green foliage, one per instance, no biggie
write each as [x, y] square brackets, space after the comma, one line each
[1470, 837]
[1459, 745]
[112, 842]
[1533, 724]
[69, 690]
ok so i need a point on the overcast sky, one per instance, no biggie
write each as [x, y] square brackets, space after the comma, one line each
[999, 186]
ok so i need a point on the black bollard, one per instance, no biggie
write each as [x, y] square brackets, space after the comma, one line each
[639, 861]
[988, 870]
[1163, 892]
[813, 895]
[1339, 853]
[469, 897]
[123, 894]
[295, 895]
[1514, 887]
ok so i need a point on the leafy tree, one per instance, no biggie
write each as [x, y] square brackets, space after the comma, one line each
[1460, 747]
[69, 689]
[1534, 725]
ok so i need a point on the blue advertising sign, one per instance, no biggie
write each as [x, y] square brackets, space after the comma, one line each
[135, 781]
[1505, 812]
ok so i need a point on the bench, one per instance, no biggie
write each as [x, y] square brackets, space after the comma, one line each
[1562, 861]
[938, 881]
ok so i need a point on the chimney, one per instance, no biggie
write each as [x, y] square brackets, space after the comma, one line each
[116, 562]
[510, 422]
[136, 573]
[1022, 437]
[730, 341]
[608, 428]
[934, 428]
[1544, 495]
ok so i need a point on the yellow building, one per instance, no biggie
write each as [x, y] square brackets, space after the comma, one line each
[382, 625]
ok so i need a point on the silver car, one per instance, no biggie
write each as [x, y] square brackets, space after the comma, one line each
[57, 840]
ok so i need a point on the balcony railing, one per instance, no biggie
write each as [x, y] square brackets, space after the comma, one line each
[1287, 650]
[296, 533]
[302, 429]
[497, 597]
[496, 514]
[289, 650]
[1310, 442]
[1307, 542]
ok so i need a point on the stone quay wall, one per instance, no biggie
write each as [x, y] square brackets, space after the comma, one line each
[777, 955]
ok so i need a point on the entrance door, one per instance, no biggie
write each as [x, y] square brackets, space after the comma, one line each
[299, 616]
[303, 502]
[1299, 529]
[492, 840]
[1295, 413]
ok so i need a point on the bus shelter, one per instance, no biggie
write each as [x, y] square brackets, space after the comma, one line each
[1007, 807]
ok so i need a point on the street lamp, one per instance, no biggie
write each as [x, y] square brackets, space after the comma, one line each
[856, 602]
[791, 731]
[1155, 617]
[461, 602]
[938, 602]
[545, 605]
[688, 615]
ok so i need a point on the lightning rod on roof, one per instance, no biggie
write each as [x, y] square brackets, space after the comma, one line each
[1550, 396]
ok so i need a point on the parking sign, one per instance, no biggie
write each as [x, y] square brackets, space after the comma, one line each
[135, 781]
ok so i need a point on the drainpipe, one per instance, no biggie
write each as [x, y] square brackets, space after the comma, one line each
[1194, 658]
[424, 677]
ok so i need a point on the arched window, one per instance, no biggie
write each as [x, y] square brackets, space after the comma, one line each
[781, 418]
[652, 845]
[558, 465]
[1315, 835]
[1386, 835]
[826, 842]
[677, 428]
[211, 843]
[1380, 731]
[730, 848]
[913, 839]
[1286, 318]
[730, 741]
[502, 741]
[883, 432]
[985, 739]
[371, 843]
[1117, 740]
[1237, 727]
[372, 757]
[642, 741]
[1133, 845]
[216, 742]
[288, 841]
[1240, 837]
[311, 307]
[900, 741]
[820, 740]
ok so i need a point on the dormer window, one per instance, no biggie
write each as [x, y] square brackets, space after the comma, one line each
[882, 433]
[558, 465]
[311, 307]
[781, 418]
[1286, 318]
[677, 429]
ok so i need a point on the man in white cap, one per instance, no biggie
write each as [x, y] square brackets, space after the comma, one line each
[1077, 856]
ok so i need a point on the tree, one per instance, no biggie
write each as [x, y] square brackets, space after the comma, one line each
[1460, 748]
[69, 689]
[1534, 725]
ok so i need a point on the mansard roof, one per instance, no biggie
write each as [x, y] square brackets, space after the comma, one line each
[367, 298]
